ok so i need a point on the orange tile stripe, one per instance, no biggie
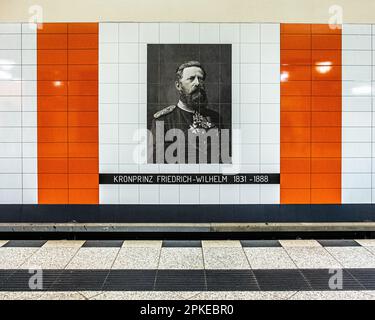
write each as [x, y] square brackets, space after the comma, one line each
[310, 121]
[68, 161]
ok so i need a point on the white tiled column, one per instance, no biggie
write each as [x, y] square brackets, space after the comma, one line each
[109, 109]
[10, 114]
[356, 113]
[373, 116]
[29, 114]
[270, 109]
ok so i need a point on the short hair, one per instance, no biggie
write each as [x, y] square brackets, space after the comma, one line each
[188, 64]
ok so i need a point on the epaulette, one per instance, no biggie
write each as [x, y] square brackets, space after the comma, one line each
[164, 111]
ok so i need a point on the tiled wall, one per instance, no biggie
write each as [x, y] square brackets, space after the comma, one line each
[68, 113]
[310, 114]
[123, 107]
[73, 95]
[18, 117]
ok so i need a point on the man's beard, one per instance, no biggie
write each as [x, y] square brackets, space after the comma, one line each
[195, 100]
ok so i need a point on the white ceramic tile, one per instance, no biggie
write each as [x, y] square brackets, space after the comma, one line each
[30, 165]
[250, 73]
[108, 73]
[269, 113]
[30, 150]
[10, 196]
[229, 194]
[270, 133]
[270, 53]
[250, 93]
[250, 53]
[128, 113]
[129, 194]
[30, 180]
[29, 88]
[229, 32]
[108, 153]
[270, 168]
[108, 52]
[149, 194]
[108, 133]
[354, 88]
[108, 32]
[10, 41]
[29, 27]
[209, 194]
[129, 32]
[108, 93]
[249, 194]
[8, 134]
[29, 73]
[129, 154]
[356, 165]
[270, 93]
[10, 57]
[189, 32]
[356, 73]
[10, 28]
[129, 133]
[189, 194]
[108, 113]
[356, 103]
[250, 113]
[169, 194]
[169, 33]
[270, 73]
[249, 154]
[10, 72]
[29, 41]
[10, 88]
[270, 32]
[108, 168]
[8, 165]
[29, 57]
[10, 150]
[356, 150]
[129, 73]
[10, 119]
[356, 180]
[250, 32]
[149, 32]
[10, 103]
[236, 93]
[356, 119]
[356, 58]
[357, 29]
[128, 93]
[30, 196]
[209, 33]
[355, 195]
[270, 153]
[356, 42]
[108, 194]
[236, 51]
[29, 103]
[29, 134]
[128, 53]
[356, 134]
[250, 133]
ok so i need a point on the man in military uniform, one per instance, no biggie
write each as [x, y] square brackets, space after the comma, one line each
[190, 116]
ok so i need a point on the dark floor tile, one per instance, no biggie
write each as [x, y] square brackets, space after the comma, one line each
[231, 280]
[180, 280]
[80, 280]
[130, 280]
[26, 280]
[25, 243]
[182, 244]
[366, 277]
[322, 279]
[339, 243]
[4, 275]
[260, 243]
[103, 244]
[280, 280]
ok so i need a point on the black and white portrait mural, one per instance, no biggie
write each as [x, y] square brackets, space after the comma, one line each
[189, 102]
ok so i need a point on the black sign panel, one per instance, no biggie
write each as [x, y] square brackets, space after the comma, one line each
[189, 178]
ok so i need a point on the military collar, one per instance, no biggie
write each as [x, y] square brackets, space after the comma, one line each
[183, 107]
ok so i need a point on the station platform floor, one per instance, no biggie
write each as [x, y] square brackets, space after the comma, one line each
[187, 270]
